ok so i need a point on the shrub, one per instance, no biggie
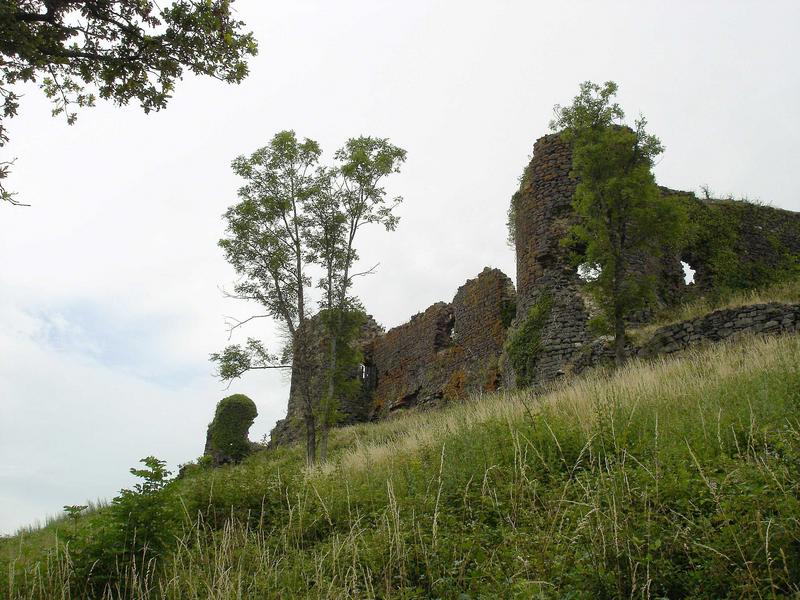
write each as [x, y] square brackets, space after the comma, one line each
[227, 441]
[121, 545]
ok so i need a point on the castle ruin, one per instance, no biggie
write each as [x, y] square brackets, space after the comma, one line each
[451, 350]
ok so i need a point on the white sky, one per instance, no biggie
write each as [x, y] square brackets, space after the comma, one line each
[109, 284]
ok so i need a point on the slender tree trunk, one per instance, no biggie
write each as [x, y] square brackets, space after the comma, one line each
[334, 332]
[328, 399]
[619, 314]
[323, 441]
[302, 346]
[311, 438]
[301, 368]
[329, 394]
[310, 419]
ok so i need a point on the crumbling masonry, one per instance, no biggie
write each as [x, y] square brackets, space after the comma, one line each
[453, 349]
[447, 351]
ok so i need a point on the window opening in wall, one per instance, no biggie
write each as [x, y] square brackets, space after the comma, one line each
[444, 333]
[688, 273]
[587, 272]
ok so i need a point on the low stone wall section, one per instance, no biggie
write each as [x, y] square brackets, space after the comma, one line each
[769, 319]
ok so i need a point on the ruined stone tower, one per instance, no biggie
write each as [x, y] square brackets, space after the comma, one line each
[543, 208]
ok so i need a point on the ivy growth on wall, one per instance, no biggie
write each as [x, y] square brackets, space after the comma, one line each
[511, 215]
[525, 341]
[227, 433]
[734, 250]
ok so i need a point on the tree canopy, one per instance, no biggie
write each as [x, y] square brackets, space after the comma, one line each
[119, 50]
[297, 220]
[622, 213]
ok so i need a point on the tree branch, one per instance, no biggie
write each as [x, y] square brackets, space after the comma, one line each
[235, 323]
[370, 271]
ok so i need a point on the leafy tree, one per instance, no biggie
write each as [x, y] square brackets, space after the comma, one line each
[268, 244]
[74, 512]
[358, 200]
[147, 511]
[294, 216]
[622, 212]
[121, 50]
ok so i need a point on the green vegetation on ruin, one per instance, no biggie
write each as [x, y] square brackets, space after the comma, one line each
[718, 226]
[524, 341]
[227, 433]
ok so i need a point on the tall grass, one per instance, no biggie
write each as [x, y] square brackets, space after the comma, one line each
[677, 478]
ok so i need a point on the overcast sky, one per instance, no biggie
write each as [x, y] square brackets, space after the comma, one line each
[110, 297]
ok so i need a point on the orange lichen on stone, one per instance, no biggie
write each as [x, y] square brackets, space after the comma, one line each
[443, 353]
[455, 388]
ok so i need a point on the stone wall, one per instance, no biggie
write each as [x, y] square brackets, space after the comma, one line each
[406, 359]
[772, 318]
[453, 348]
[440, 355]
[738, 245]
[446, 351]
[767, 319]
[543, 208]
[543, 215]
[354, 410]
[741, 244]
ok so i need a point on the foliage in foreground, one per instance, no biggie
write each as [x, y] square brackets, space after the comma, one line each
[678, 479]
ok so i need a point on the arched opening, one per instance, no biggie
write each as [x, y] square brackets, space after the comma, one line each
[368, 375]
[445, 332]
[688, 273]
[587, 272]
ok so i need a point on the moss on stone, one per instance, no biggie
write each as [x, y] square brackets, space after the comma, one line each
[732, 241]
[227, 434]
[525, 341]
[508, 310]
[455, 388]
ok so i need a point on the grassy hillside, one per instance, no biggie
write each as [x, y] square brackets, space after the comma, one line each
[675, 479]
